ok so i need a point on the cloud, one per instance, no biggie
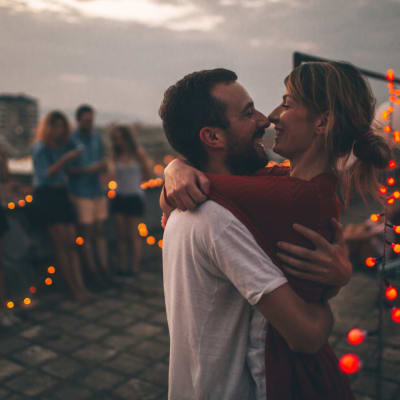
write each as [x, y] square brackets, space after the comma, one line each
[182, 16]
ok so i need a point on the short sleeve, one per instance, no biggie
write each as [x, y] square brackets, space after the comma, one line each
[245, 264]
[41, 162]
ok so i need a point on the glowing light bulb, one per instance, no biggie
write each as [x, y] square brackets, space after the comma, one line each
[356, 336]
[396, 136]
[390, 181]
[391, 293]
[370, 262]
[142, 226]
[387, 129]
[79, 241]
[160, 244]
[396, 194]
[349, 363]
[375, 217]
[143, 232]
[396, 248]
[151, 240]
[33, 289]
[390, 200]
[27, 301]
[392, 164]
[10, 304]
[112, 185]
[383, 189]
[390, 75]
[29, 198]
[21, 203]
[51, 270]
[11, 205]
[48, 281]
[396, 228]
[385, 116]
[111, 194]
[390, 109]
[396, 314]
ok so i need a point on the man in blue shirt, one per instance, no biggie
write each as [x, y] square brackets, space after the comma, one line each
[88, 194]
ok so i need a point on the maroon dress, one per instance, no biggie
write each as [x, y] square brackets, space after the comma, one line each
[268, 204]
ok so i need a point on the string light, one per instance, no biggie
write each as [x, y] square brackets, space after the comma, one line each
[396, 228]
[396, 248]
[383, 189]
[375, 217]
[27, 301]
[390, 75]
[29, 198]
[111, 194]
[33, 289]
[390, 200]
[48, 281]
[387, 129]
[396, 136]
[112, 185]
[391, 293]
[396, 194]
[396, 314]
[10, 304]
[356, 336]
[151, 240]
[21, 203]
[349, 363]
[160, 244]
[51, 270]
[390, 181]
[370, 262]
[11, 205]
[79, 241]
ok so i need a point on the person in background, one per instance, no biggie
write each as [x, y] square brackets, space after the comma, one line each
[88, 195]
[130, 166]
[51, 153]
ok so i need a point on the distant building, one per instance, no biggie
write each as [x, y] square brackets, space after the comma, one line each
[18, 119]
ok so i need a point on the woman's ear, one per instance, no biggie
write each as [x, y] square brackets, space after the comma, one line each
[212, 137]
[321, 123]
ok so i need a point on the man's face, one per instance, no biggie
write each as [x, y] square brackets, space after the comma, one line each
[245, 151]
[86, 122]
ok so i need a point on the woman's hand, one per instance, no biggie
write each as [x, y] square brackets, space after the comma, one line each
[186, 187]
[328, 264]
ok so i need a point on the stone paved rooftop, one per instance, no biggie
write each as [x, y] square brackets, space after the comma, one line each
[116, 346]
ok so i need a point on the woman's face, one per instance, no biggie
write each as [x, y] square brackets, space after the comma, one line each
[294, 126]
[118, 139]
[58, 130]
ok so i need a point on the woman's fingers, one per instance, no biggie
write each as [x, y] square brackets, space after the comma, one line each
[318, 240]
[301, 252]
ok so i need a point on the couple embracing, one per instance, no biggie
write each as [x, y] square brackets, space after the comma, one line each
[248, 273]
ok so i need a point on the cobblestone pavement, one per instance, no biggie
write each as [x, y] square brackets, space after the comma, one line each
[116, 346]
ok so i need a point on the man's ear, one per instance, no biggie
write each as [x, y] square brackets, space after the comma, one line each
[212, 137]
[321, 123]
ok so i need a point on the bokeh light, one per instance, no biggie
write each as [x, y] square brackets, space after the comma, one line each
[79, 241]
[396, 314]
[29, 198]
[27, 301]
[48, 281]
[349, 363]
[51, 270]
[370, 262]
[112, 185]
[10, 304]
[375, 217]
[11, 205]
[356, 336]
[151, 240]
[391, 293]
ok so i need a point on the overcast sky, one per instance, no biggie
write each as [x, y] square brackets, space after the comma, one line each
[120, 55]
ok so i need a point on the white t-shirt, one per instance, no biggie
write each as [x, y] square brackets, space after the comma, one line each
[214, 271]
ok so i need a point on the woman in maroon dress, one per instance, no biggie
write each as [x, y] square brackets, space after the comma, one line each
[325, 116]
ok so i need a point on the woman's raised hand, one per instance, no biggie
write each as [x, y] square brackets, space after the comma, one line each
[185, 186]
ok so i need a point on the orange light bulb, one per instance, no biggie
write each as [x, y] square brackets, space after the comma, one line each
[396, 136]
[396, 194]
[11, 205]
[390, 200]
[396, 228]
[51, 270]
[79, 241]
[27, 301]
[111, 194]
[375, 217]
[10, 304]
[396, 248]
[390, 75]
[392, 164]
[391, 293]
[48, 281]
[349, 363]
[383, 189]
[151, 240]
[29, 198]
[387, 129]
[21, 203]
[160, 244]
[370, 262]
[112, 185]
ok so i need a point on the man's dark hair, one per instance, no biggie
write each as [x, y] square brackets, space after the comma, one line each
[84, 108]
[188, 106]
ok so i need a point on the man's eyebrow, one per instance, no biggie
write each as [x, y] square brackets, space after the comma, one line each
[250, 104]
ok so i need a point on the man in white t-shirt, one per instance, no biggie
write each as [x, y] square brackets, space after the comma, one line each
[214, 271]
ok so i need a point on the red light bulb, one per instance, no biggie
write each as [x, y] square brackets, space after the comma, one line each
[396, 314]
[392, 164]
[383, 189]
[391, 181]
[391, 293]
[349, 363]
[356, 336]
[396, 248]
[396, 228]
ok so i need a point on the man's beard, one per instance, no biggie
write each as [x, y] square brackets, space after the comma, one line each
[245, 161]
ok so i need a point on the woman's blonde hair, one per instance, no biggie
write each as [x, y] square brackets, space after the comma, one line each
[339, 90]
[44, 130]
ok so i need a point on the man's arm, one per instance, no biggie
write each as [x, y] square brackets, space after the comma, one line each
[305, 326]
